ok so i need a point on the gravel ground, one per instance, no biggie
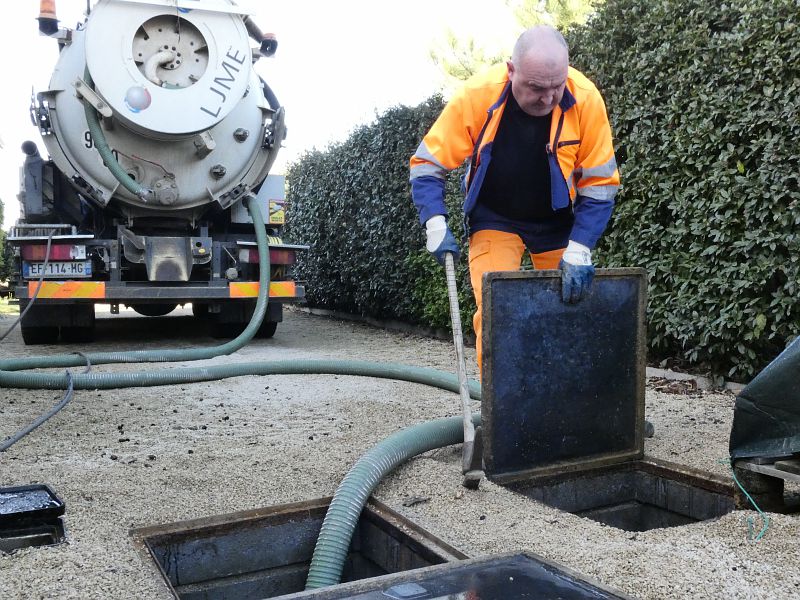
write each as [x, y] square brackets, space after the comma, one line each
[128, 458]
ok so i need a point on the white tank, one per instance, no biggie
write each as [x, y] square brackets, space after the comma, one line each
[185, 114]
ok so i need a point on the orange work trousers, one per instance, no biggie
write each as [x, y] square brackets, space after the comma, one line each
[491, 250]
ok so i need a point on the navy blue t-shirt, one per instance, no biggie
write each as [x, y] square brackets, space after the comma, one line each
[517, 181]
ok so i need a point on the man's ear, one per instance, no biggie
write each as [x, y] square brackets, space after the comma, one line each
[510, 66]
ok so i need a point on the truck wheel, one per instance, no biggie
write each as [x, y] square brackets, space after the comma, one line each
[231, 330]
[39, 335]
[227, 330]
[154, 310]
[267, 329]
[77, 335]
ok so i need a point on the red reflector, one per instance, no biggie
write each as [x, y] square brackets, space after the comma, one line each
[282, 257]
[57, 252]
[277, 256]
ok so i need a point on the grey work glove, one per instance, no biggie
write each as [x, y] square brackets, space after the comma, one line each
[577, 273]
[440, 240]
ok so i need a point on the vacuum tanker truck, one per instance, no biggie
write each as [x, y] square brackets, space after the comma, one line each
[159, 133]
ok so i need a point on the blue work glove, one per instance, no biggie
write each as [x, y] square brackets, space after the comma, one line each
[440, 239]
[577, 272]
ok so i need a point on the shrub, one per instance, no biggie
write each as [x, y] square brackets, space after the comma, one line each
[352, 204]
[704, 99]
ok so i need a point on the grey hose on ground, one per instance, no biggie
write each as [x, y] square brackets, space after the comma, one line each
[42, 419]
[11, 377]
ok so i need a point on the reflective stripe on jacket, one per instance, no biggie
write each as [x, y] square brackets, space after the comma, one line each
[582, 164]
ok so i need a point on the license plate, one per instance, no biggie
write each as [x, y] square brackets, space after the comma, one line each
[31, 270]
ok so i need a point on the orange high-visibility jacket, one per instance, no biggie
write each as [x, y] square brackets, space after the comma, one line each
[583, 169]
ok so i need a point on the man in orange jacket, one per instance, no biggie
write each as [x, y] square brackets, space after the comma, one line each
[541, 172]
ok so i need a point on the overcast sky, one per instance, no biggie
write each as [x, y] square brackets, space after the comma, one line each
[338, 62]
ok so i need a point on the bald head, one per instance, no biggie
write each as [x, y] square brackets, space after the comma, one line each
[538, 70]
[542, 40]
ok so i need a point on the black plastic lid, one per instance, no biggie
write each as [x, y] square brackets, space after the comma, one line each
[521, 576]
[27, 502]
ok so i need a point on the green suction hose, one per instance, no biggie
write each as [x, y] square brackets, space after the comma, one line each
[112, 380]
[351, 496]
[340, 521]
[7, 379]
[109, 381]
[110, 161]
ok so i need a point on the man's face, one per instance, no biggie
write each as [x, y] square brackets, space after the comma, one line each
[538, 84]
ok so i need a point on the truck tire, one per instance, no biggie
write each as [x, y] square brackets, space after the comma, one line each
[226, 331]
[231, 330]
[267, 329]
[77, 335]
[33, 336]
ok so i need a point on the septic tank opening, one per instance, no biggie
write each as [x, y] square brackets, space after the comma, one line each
[634, 496]
[267, 552]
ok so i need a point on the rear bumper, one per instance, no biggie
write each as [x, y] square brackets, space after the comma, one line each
[103, 292]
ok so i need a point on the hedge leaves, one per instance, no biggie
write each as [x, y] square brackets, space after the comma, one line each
[704, 99]
[352, 204]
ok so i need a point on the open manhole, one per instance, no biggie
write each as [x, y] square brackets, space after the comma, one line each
[634, 496]
[266, 553]
[563, 404]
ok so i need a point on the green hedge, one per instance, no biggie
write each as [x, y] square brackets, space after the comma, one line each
[704, 100]
[352, 204]
[6, 257]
